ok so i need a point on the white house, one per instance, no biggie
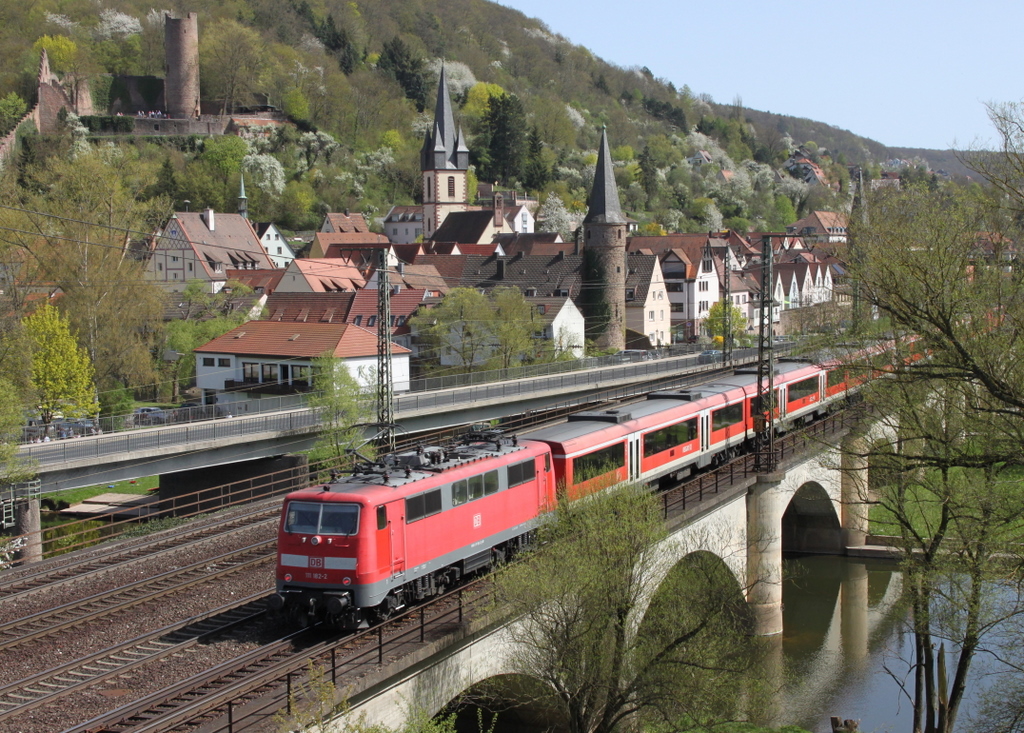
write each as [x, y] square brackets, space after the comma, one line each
[275, 244]
[263, 358]
[561, 325]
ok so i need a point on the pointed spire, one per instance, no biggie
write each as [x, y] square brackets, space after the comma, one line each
[604, 198]
[243, 201]
[441, 147]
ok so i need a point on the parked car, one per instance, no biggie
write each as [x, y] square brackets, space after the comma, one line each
[710, 356]
[149, 416]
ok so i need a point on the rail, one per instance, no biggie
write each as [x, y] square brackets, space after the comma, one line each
[244, 704]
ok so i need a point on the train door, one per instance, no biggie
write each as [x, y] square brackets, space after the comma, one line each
[635, 466]
[396, 536]
[705, 431]
[543, 473]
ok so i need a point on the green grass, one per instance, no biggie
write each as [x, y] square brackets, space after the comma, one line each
[75, 496]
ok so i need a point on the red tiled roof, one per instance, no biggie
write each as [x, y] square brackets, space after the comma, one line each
[232, 241]
[341, 222]
[309, 307]
[297, 340]
[256, 279]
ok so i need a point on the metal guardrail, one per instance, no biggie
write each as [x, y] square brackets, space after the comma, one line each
[304, 419]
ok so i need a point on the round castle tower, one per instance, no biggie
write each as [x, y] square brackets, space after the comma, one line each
[604, 258]
[181, 61]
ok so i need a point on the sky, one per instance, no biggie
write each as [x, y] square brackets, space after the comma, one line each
[905, 73]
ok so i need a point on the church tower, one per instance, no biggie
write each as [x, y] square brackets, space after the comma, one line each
[604, 258]
[444, 160]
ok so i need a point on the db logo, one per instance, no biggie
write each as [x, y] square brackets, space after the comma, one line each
[316, 562]
[477, 520]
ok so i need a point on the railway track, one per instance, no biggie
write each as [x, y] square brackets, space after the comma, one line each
[98, 561]
[50, 621]
[263, 677]
[43, 688]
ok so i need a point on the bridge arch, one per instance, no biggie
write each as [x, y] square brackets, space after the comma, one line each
[811, 522]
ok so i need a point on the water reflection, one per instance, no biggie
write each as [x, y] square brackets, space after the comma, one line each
[841, 634]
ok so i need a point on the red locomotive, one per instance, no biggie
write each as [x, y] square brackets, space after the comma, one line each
[359, 548]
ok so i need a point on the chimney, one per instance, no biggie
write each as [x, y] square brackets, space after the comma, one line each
[401, 268]
[501, 269]
[208, 218]
[499, 211]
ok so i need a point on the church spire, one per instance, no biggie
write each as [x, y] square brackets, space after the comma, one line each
[604, 197]
[243, 201]
[442, 145]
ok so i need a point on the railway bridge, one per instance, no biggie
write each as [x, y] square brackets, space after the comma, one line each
[814, 502]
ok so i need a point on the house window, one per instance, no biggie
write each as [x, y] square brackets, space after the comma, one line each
[301, 374]
[371, 321]
[250, 372]
[279, 250]
[207, 361]
[702, 286]
[224, 362]
[428, 193]
[451, 186]
[650, 316]
[358, 321]
[190, 267]
[159, 267]
[174, 259]
[174, 276]
[394, 230]
[269, 372]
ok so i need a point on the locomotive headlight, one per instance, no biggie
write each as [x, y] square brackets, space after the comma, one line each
[287, 577]
[315, 540]
[346, 581]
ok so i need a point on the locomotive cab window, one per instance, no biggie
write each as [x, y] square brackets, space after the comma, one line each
[382, 517]
[306, 517]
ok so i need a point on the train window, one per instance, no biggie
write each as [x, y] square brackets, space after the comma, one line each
[339, 519]
[547, 463]
[476, 487]
[308, 517]
[490, 482]
[382, 517]
[803, 388]
[721, 419]
[836, 377]
[661, 440]
[520, 473]
[460, 492]
[598, 463]
[422, 505]
[302, 517]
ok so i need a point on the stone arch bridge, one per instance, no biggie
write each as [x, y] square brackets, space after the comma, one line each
[814, 502]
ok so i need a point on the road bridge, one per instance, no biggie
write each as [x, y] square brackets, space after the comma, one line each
[85, 461]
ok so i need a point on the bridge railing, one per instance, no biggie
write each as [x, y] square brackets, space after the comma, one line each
[305, 419]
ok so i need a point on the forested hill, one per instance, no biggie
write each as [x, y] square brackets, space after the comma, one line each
[364, 71]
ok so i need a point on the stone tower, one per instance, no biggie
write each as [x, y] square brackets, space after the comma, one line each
[181, 65]
[444, 161]
[604, 258]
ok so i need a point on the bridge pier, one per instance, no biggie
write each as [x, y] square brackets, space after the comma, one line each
[766, 502]
[854, 491]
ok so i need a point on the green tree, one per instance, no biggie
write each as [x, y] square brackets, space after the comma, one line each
[715, 324]
[224, 154]
[344, 409]
[62, 374]
[536, 172]
[505, 131]
[235, 63]
[398, 60]
[12, 109]
[458, 329]
[12, 420]
[683, 665]
[933, 263]
[511, 326]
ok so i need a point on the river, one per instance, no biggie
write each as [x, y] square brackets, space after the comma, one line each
[845, 650]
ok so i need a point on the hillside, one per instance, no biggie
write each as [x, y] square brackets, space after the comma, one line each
[363, 72]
